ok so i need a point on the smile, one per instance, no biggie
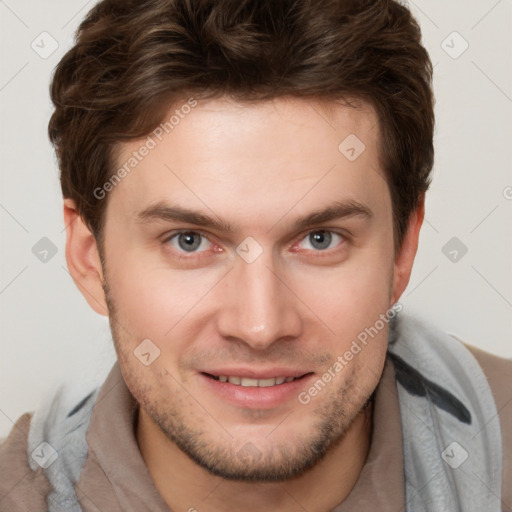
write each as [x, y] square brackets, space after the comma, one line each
[248, 382]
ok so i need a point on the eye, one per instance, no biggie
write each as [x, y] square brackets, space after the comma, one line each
[188, 241]
[320, 240]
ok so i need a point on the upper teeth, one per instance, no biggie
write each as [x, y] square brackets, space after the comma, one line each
[252, 383]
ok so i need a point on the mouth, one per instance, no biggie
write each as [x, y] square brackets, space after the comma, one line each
[248, 389]
[249, 382]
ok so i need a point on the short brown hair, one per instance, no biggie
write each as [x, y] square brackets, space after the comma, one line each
[134, 58]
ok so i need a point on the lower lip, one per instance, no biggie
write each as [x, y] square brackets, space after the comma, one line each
[256, 397]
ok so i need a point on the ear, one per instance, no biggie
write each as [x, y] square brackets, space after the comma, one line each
[404, 258]
[83, 259]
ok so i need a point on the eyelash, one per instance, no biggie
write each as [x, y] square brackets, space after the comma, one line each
[183, 255]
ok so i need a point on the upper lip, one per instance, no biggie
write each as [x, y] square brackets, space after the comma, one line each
[252, 373]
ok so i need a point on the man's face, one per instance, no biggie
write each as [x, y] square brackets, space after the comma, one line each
[267, 299]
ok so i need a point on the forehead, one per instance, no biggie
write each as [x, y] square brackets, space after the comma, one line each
[259, 156]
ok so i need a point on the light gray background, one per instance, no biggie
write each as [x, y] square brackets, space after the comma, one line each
[49, 334]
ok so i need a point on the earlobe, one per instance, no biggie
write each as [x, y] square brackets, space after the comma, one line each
[83, 258]
[404, 257]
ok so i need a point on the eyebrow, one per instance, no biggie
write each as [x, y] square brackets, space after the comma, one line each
[167, 212]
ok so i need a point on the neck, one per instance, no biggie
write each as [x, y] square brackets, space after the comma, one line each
[186, 486]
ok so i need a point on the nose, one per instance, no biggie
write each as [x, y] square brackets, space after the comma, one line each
[257, 306]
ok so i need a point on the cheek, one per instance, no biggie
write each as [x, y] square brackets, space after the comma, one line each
[156, 302]
[144, 301]
[351, 297]
[147, 306]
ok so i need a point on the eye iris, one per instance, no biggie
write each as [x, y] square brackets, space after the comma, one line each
[320, 237]
[187, 243]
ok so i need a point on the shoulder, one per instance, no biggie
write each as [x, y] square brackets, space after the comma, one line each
[21, 488]
[498, 372]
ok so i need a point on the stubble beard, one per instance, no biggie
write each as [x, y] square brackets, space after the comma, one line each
[274, 462]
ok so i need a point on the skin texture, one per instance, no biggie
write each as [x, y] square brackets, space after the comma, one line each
[298, 305]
